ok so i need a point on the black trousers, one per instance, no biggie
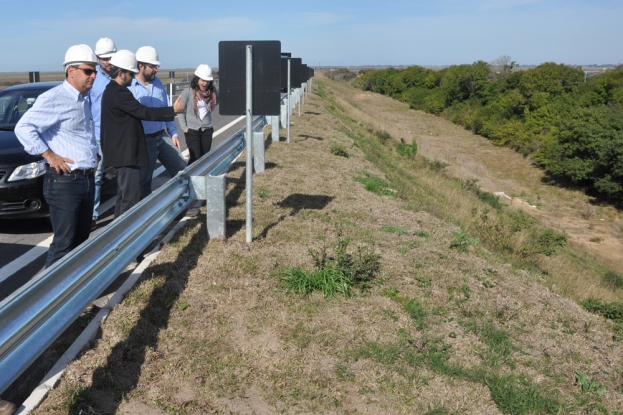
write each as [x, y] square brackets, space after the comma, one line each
[128, 188]
[198, 142]
[71, 197]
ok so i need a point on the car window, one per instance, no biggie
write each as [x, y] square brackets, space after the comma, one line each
[14, 104]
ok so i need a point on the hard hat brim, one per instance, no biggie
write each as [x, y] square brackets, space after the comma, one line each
[105, 55]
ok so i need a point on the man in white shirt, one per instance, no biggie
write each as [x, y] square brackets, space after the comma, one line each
[59, 127]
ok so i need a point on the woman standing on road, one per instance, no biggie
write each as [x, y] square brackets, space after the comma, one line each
[200, 100]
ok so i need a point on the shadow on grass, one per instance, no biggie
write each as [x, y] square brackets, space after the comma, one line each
[298, 202]
[306, 137]
[122, 371]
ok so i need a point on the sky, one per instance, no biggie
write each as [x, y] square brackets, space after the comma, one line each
[186, 33]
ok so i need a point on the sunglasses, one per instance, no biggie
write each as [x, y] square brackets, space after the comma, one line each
[87, 72]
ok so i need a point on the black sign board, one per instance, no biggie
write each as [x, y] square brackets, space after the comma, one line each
[33, 77]
[304, 73]
[295, 72]
[266, 77]
[284, 72]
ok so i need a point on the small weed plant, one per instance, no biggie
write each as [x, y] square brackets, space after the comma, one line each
[382, 135]
[338, 150]
[589, 385]
[335, 271]
[398, 230]
[374, 184]
[462, 241]
[407, 150]
[435, 165]
[262, 192]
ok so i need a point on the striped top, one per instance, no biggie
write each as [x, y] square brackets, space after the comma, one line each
[60, 120]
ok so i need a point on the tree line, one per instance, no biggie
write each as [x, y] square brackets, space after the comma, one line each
[570, 125]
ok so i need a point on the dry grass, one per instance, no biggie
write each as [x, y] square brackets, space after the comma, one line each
[208, 329]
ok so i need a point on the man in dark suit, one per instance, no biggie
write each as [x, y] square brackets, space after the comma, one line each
[122, 136]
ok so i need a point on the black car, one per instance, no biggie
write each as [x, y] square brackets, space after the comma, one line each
[21, 174]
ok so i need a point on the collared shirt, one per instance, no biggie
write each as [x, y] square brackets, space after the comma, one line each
[99, 85]
[156, 96]
[60, 120]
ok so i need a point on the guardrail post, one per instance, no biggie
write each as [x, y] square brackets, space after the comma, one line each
[215, 206]
[258, 152]
[274, 123]
[212, 190]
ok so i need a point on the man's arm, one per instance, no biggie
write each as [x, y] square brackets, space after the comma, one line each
[128, 104]
[33, 123]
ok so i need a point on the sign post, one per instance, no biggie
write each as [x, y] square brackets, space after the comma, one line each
[249, 113]
[288, 98]
[250, 84]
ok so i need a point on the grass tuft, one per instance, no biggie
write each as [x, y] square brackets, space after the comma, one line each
[335, 272]
[374, 184]
[398, 230]
[338, 150]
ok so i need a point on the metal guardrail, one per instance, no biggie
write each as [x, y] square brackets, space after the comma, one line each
[36, 314]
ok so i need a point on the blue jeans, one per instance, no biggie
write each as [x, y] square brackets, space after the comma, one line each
[99, 174]
[160, 147]
[70, 197]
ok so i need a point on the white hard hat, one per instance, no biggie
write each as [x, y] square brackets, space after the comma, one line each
[124, 59]
[78, 54]
[105, 47]
[147, 54]
[204, 72]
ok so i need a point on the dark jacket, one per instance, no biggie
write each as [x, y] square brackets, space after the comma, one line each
[122, 136]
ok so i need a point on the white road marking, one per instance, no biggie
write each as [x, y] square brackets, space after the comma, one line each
[42, 247]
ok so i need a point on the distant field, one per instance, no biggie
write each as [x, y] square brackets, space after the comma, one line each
[16, 78]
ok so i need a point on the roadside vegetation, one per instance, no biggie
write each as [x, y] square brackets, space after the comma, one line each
[377, 283]
[571, 126]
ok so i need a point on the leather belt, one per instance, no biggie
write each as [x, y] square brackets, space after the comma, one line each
[84, 172]
[152, 135]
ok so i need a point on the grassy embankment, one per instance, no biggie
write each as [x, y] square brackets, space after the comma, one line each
[446, 306]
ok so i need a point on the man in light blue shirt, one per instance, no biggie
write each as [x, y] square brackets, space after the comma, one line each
[104, 49]
[161, 137]
[59, 127]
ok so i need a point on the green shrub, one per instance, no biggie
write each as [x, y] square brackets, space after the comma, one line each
[407, 150]
[490, 199]
[613, 311]
[382, 135]
[613, 280]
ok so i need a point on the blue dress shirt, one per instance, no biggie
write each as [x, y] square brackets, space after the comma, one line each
[99, 85]
[156, 97]
[60, 120]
